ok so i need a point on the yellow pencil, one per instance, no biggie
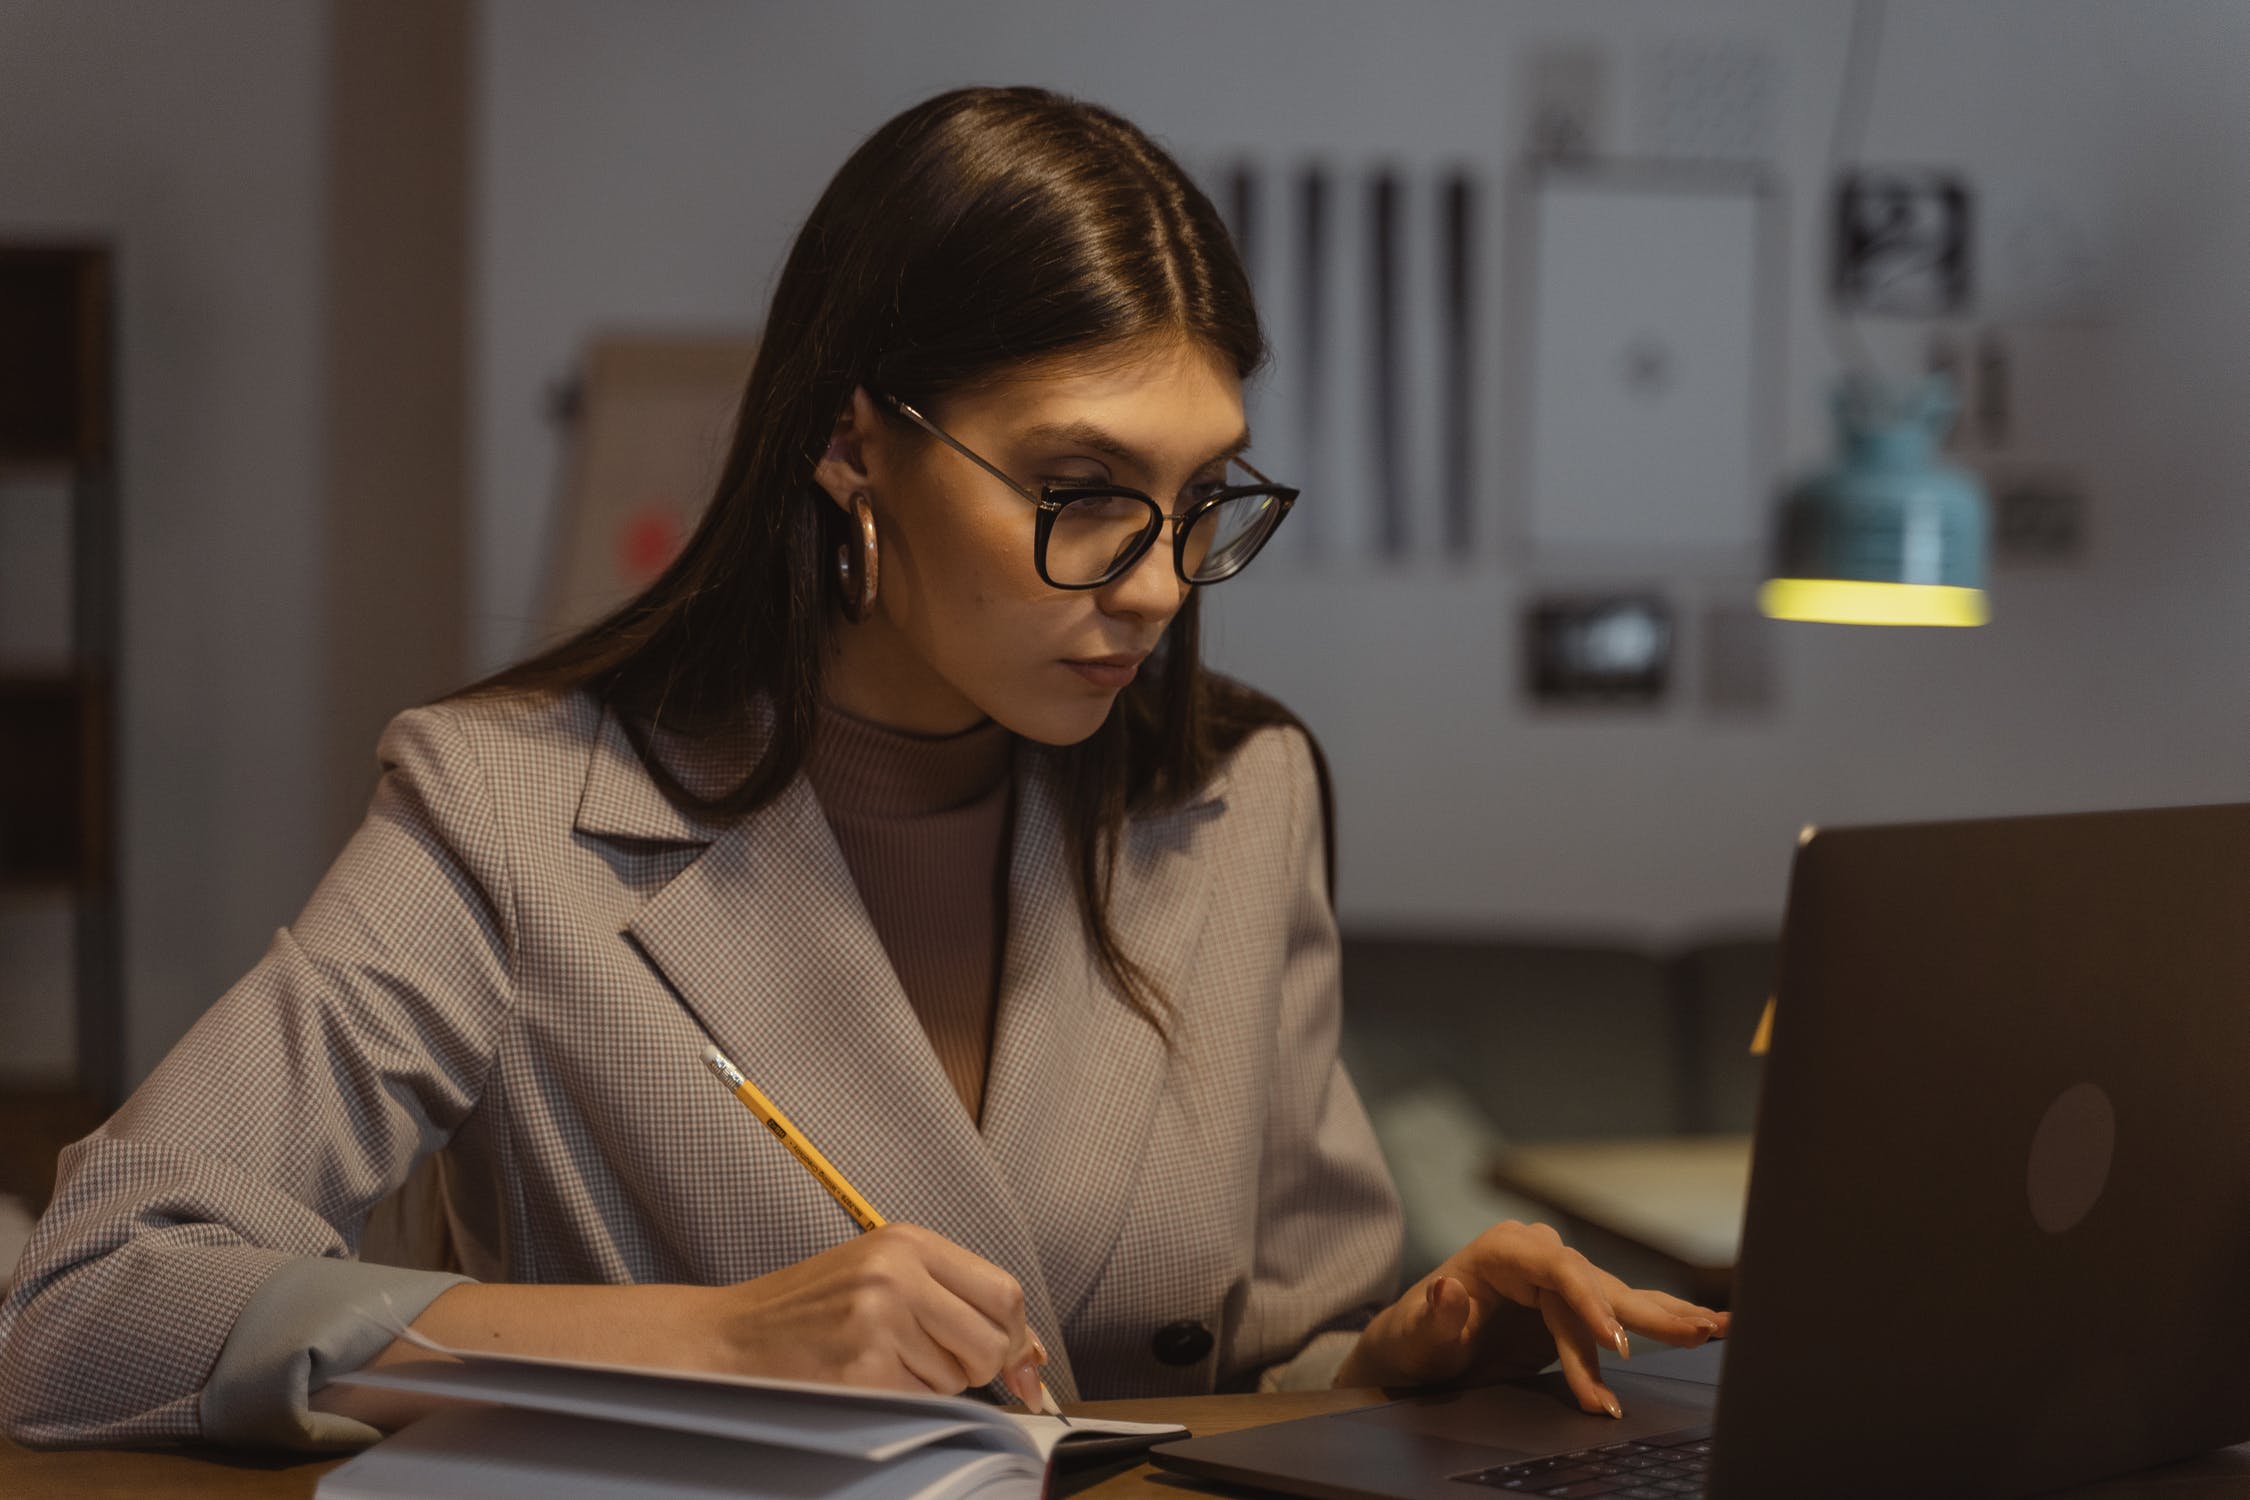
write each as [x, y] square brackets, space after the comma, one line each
[863, 1212]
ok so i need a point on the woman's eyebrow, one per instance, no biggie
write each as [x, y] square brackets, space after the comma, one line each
[1101, 440]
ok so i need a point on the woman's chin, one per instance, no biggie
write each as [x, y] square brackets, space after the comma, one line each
[1060, 724]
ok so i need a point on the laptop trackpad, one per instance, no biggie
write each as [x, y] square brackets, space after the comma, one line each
[1409, 1449]
[1537, 1417]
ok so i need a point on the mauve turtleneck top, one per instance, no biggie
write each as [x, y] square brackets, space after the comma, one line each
[923, 824]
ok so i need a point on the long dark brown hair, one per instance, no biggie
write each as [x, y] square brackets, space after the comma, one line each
[978, 230]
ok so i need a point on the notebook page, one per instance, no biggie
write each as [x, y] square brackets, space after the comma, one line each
[471, 1454]
[856, 1424]
[1049, 1433]
[849, 1420]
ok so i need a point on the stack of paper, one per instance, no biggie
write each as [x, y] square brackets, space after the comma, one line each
[541, 1429]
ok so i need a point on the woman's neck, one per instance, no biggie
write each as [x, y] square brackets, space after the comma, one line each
[871, 674]
[862, 770]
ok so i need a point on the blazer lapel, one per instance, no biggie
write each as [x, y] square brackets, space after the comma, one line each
[1076, 1072]
[765, 940]
[620, 801]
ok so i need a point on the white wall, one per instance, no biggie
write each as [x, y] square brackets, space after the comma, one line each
[191, 137]
[645, 166]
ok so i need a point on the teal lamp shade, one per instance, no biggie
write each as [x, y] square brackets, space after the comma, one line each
[1890, 534]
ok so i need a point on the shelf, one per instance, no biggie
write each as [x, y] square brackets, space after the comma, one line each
[35, 884]
[59, 638]
[54, 318]
[45, 748]
[39, 978]
[33, 473]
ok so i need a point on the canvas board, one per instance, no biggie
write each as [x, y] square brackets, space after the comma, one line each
[1648, 382]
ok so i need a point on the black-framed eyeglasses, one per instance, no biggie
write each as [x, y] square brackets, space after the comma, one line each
[1087, 535]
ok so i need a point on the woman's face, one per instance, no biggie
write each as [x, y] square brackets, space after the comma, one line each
[963, 626]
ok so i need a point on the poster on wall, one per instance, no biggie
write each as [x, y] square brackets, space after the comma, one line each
[1367, 277]
[648, 434]
[1647, 410]
[1903, 243]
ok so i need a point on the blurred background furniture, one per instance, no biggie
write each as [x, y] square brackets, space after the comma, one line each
[1603, 1073]
[61, 1043]
[1677, 1200]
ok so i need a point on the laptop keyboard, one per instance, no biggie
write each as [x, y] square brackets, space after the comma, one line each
[1664, 1467]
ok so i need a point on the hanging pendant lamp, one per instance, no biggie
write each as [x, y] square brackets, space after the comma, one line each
[1890, 533]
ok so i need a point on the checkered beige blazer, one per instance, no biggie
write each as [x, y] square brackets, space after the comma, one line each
[518, 959]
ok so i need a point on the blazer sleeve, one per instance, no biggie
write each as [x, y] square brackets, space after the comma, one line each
[194, 1277]
[1329, 1232]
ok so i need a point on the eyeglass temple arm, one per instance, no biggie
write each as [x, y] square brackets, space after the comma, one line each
[947, 438]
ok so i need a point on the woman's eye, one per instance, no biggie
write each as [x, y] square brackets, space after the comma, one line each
[1106, 507]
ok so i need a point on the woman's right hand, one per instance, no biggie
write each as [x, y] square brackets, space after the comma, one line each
[900, 1308]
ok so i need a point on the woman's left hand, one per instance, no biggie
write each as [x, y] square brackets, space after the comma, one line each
[1509, 1302]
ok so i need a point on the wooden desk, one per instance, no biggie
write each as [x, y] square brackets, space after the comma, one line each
[108, 1474]
[1679, 1198]
[113, 1474]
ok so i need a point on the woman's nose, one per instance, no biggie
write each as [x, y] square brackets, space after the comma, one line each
[1151, 588]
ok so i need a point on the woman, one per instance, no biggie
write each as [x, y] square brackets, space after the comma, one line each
[904, 786]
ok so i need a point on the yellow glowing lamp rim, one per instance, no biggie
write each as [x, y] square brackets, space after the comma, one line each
[1859, 601]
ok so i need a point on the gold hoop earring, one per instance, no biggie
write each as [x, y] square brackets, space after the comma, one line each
[859, 591]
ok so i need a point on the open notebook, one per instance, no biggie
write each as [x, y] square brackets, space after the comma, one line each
[549, 1429]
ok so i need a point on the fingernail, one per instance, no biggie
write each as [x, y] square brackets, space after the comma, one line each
[1430, 1294]
[1024, 1381]
[1706, 1325]
[1038, 1350]
[1610, 1403]
[1617, 1339]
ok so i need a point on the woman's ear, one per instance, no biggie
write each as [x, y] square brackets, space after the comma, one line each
[846, 469]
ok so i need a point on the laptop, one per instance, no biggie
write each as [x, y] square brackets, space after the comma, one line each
[1998, 1231]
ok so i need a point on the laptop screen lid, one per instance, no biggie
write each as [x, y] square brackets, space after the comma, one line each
[2002, 1170]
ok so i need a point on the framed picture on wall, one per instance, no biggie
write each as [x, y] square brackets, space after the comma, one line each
[1646, 348]
[648, 432]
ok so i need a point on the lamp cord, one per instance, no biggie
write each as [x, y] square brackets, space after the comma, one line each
[1845, 140]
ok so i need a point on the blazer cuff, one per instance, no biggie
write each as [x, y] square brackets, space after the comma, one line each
[314, 1318]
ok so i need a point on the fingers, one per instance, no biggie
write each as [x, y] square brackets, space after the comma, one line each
[1670, 1319]
[1694, 1312]
[991, 1291]
[1581, 1308]
[896, 1308]
[1440, 1335]
[930, 1365]
[1519, 1260]
[1572, 1279]
[972, 1312]
[1660, 1315]
[977, 1345]
[1578, 1315]
[1581, 1366]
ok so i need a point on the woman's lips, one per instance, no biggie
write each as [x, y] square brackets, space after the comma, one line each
[1110, 673]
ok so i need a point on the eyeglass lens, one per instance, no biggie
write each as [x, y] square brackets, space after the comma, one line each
[1224, 537]
[1094, 535]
